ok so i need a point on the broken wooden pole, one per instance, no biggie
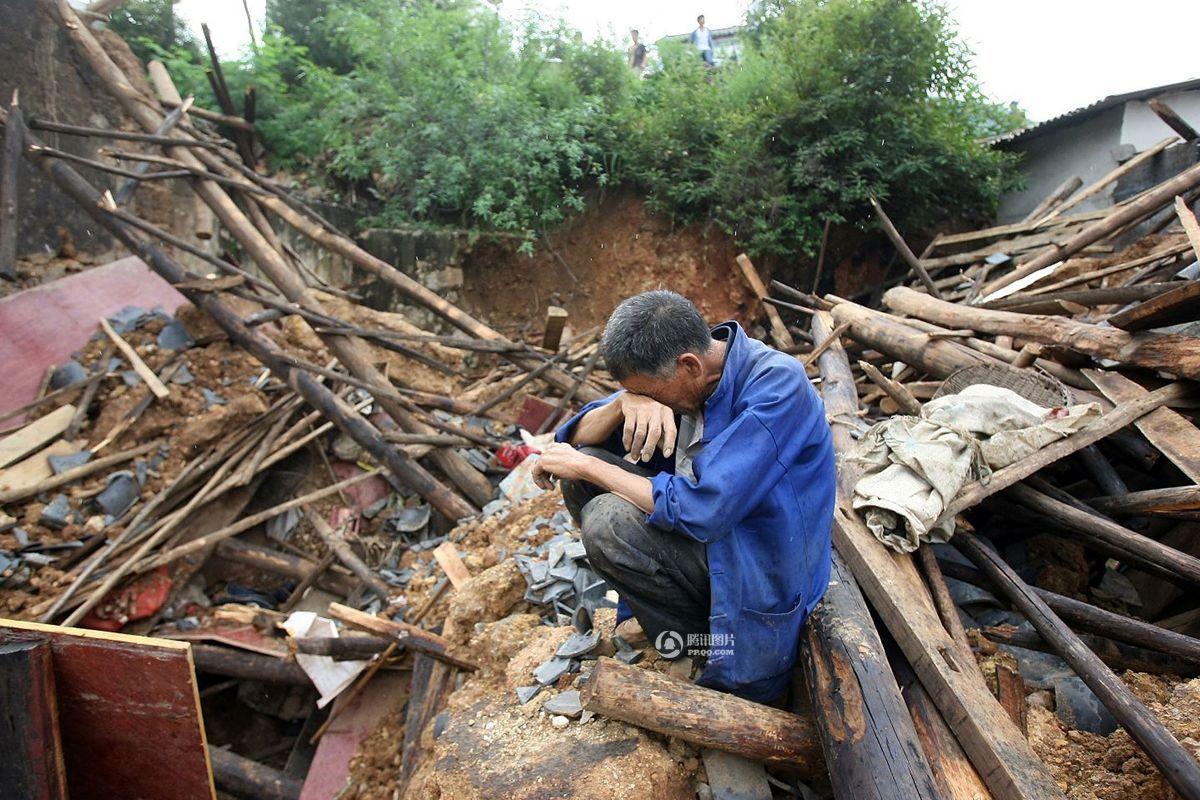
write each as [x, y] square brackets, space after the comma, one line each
[347, 556]
[1186, 567]
[1051, 201]
[1174, 353]
[1097, 620]
[125, 193]
[248, 666]
[779, 332]
[239, 776]
[350, 352]
[410, 636]
[871, 747]
[343, 648]
[281, 563]
[1177, 764]
[1164, 502]
[315, 393]
[703, 717]
[910, 258]
[1173, 120]
[10, 160]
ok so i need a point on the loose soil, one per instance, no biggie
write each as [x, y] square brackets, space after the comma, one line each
[616, 248]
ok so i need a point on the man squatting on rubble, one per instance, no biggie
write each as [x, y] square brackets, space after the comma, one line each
[704, 491]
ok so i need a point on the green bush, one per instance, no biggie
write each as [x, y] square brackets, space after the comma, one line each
[446, 113]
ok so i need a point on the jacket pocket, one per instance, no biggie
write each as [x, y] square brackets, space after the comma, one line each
[766, 642]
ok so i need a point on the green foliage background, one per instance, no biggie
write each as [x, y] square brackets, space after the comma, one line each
[447, 113]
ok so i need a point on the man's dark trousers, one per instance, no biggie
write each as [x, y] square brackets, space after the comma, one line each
[662, 575]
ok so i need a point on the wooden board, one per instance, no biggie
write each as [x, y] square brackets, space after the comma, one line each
[1169, 431]
[35, 435]
[129, 713]
[1169, 308]
[32, 762]
[779, 332]
[35, 468]
[997, 749]
[447, 556]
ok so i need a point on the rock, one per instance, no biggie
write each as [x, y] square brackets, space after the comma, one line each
[488, 596]
[57, 513]
[174, 336]
[527, 693]
[69, 373]
[566, 704]
[519, 761]
[1042, 699]
[559, 721]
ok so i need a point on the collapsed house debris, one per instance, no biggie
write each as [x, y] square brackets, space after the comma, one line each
[334, 509]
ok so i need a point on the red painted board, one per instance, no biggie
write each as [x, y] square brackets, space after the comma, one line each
[331, 763]
[46, 324]
[129, 713]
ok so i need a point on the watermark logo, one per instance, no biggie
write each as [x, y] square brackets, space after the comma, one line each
[669, 644]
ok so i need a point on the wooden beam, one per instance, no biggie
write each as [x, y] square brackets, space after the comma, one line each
[1152, 501]
[556, 320]
[447, 556]
[779, 332]
[703, 717]
[1177, 764]
[32, 766]
[1169, 431]
[1052, 200]
[10, 160]
[1173, 120]
[1124, 169]
[241, 777]
[1118, 218]
[902, 247]
[1174, 353]
[341, 548]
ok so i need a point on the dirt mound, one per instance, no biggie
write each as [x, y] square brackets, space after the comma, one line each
[614, 249]
[1114, 767]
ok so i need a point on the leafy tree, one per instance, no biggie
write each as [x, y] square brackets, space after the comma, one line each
[150, 26]
[306, 22]
[834, 101]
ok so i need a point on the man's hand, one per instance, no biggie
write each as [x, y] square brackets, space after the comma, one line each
[648, 423]
[561, 461]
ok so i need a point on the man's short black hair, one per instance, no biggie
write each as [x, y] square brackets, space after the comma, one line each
[699, 18]
[649, 331]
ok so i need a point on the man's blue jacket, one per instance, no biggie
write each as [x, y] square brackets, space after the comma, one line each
[762, 503]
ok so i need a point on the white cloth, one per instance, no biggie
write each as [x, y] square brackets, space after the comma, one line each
[912, 467]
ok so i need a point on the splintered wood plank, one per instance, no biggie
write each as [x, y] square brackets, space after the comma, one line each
[1169, 308]
[35, 435]
[452, 564]
[1169, 431]
[779, 332]
[556, 320]
[129, 713]
[32, 762]
[995, 746]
